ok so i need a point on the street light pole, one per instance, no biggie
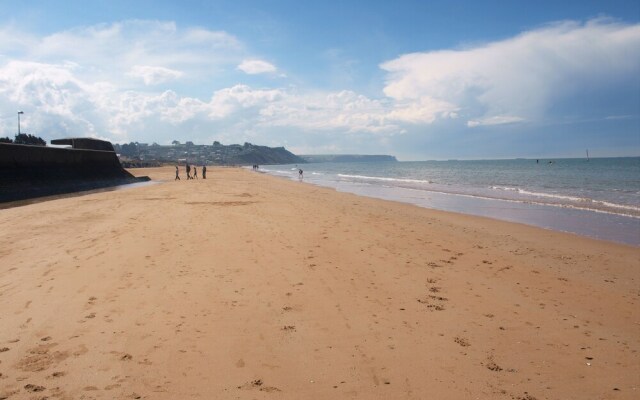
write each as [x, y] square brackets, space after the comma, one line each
[19, 112]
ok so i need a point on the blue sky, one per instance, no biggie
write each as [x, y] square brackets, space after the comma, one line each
[416, 79]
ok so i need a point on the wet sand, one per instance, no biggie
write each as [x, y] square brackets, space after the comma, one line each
[246, 286]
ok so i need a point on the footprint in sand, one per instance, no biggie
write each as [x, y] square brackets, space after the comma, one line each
[41, 357]
[434, 302]
[491, 365]
[289, 328]
[259, 385]
[34, 388]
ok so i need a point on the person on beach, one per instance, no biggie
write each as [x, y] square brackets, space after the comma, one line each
[195, 172]
[177, 174]
[188, 171]
[204, 172]
[300, 173]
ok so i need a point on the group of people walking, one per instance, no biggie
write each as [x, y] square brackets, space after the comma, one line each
[195, 172]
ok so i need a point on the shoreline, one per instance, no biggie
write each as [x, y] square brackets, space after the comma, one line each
[249, 286]
[592, 223]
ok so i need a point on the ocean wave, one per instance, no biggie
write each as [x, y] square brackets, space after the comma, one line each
[276, 171]
[379, 178]
[614, 205]
[581, 200]
[539, 194]
[505, 188]
[551, 204]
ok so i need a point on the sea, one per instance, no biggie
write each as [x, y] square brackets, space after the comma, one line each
[598, 198]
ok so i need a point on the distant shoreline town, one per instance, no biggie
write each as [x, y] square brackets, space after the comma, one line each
[144, 155]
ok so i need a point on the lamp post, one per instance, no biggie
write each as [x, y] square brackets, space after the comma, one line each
[19, 112]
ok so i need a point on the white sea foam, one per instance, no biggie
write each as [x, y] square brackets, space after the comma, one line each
[613, 205]
[384, 179]
[539, 194]
[550, 204]
[505, 188]
[580, 200]
[277, 171]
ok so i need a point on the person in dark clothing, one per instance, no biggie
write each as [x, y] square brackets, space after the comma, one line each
[177, 174]
[188, 172]
[204, 172]
[195, 172]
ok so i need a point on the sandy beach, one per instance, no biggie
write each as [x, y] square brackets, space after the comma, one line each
[247, 286]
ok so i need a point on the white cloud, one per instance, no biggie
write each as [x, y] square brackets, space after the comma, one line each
[51, 89]
[423, 111]
[495, 120]
[518, 78]
[253, 67]
[119, 50]
[59, 103]
[344, 111]
[240, 97]
[154, 75]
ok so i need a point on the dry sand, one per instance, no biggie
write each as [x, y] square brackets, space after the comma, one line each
[246, 286]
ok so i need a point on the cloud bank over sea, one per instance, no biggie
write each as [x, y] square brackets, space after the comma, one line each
[149, 80]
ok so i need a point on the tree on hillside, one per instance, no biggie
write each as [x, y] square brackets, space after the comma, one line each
[24, 138]
[5, 140]
[175, 143]
[129, 150]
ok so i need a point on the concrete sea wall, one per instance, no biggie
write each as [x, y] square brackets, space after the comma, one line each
[34, 171]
